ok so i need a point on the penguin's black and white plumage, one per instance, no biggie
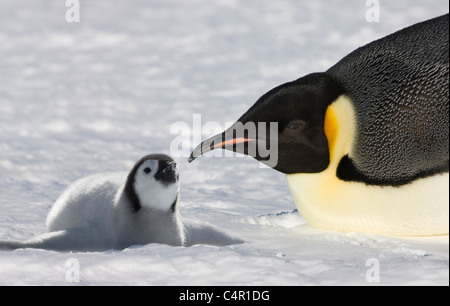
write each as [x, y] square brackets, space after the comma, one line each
[115, 211]
[365, 144]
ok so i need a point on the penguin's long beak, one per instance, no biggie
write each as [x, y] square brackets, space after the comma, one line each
[226, 140]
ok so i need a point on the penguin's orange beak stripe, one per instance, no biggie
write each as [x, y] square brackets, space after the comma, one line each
[231, 142]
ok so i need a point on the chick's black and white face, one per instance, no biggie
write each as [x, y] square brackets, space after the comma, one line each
[156, 183]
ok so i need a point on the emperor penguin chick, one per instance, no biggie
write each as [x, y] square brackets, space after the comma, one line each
[115, 211]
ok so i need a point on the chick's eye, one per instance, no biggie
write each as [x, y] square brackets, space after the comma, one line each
[147, 170]
[296, 125]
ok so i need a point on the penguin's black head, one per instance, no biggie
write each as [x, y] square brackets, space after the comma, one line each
[284, 128]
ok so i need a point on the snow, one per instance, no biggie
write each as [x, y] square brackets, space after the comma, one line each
[95, 96]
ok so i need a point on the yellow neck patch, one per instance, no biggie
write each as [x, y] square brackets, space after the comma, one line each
[331, 129]
[339, 125]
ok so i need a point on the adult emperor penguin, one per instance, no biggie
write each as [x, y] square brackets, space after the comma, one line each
[115, 211]
[365, 144]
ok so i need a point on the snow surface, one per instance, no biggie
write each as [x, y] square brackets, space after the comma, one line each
[95, 96]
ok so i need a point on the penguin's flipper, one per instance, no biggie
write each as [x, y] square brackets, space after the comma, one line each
[48, 241]
[73, 239]
[10, 245]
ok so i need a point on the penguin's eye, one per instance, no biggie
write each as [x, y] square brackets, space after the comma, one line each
[147, 170]
[296, 125]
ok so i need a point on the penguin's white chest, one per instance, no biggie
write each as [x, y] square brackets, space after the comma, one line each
[419, 208]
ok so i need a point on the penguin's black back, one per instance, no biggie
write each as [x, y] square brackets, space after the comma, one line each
[399, 86]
